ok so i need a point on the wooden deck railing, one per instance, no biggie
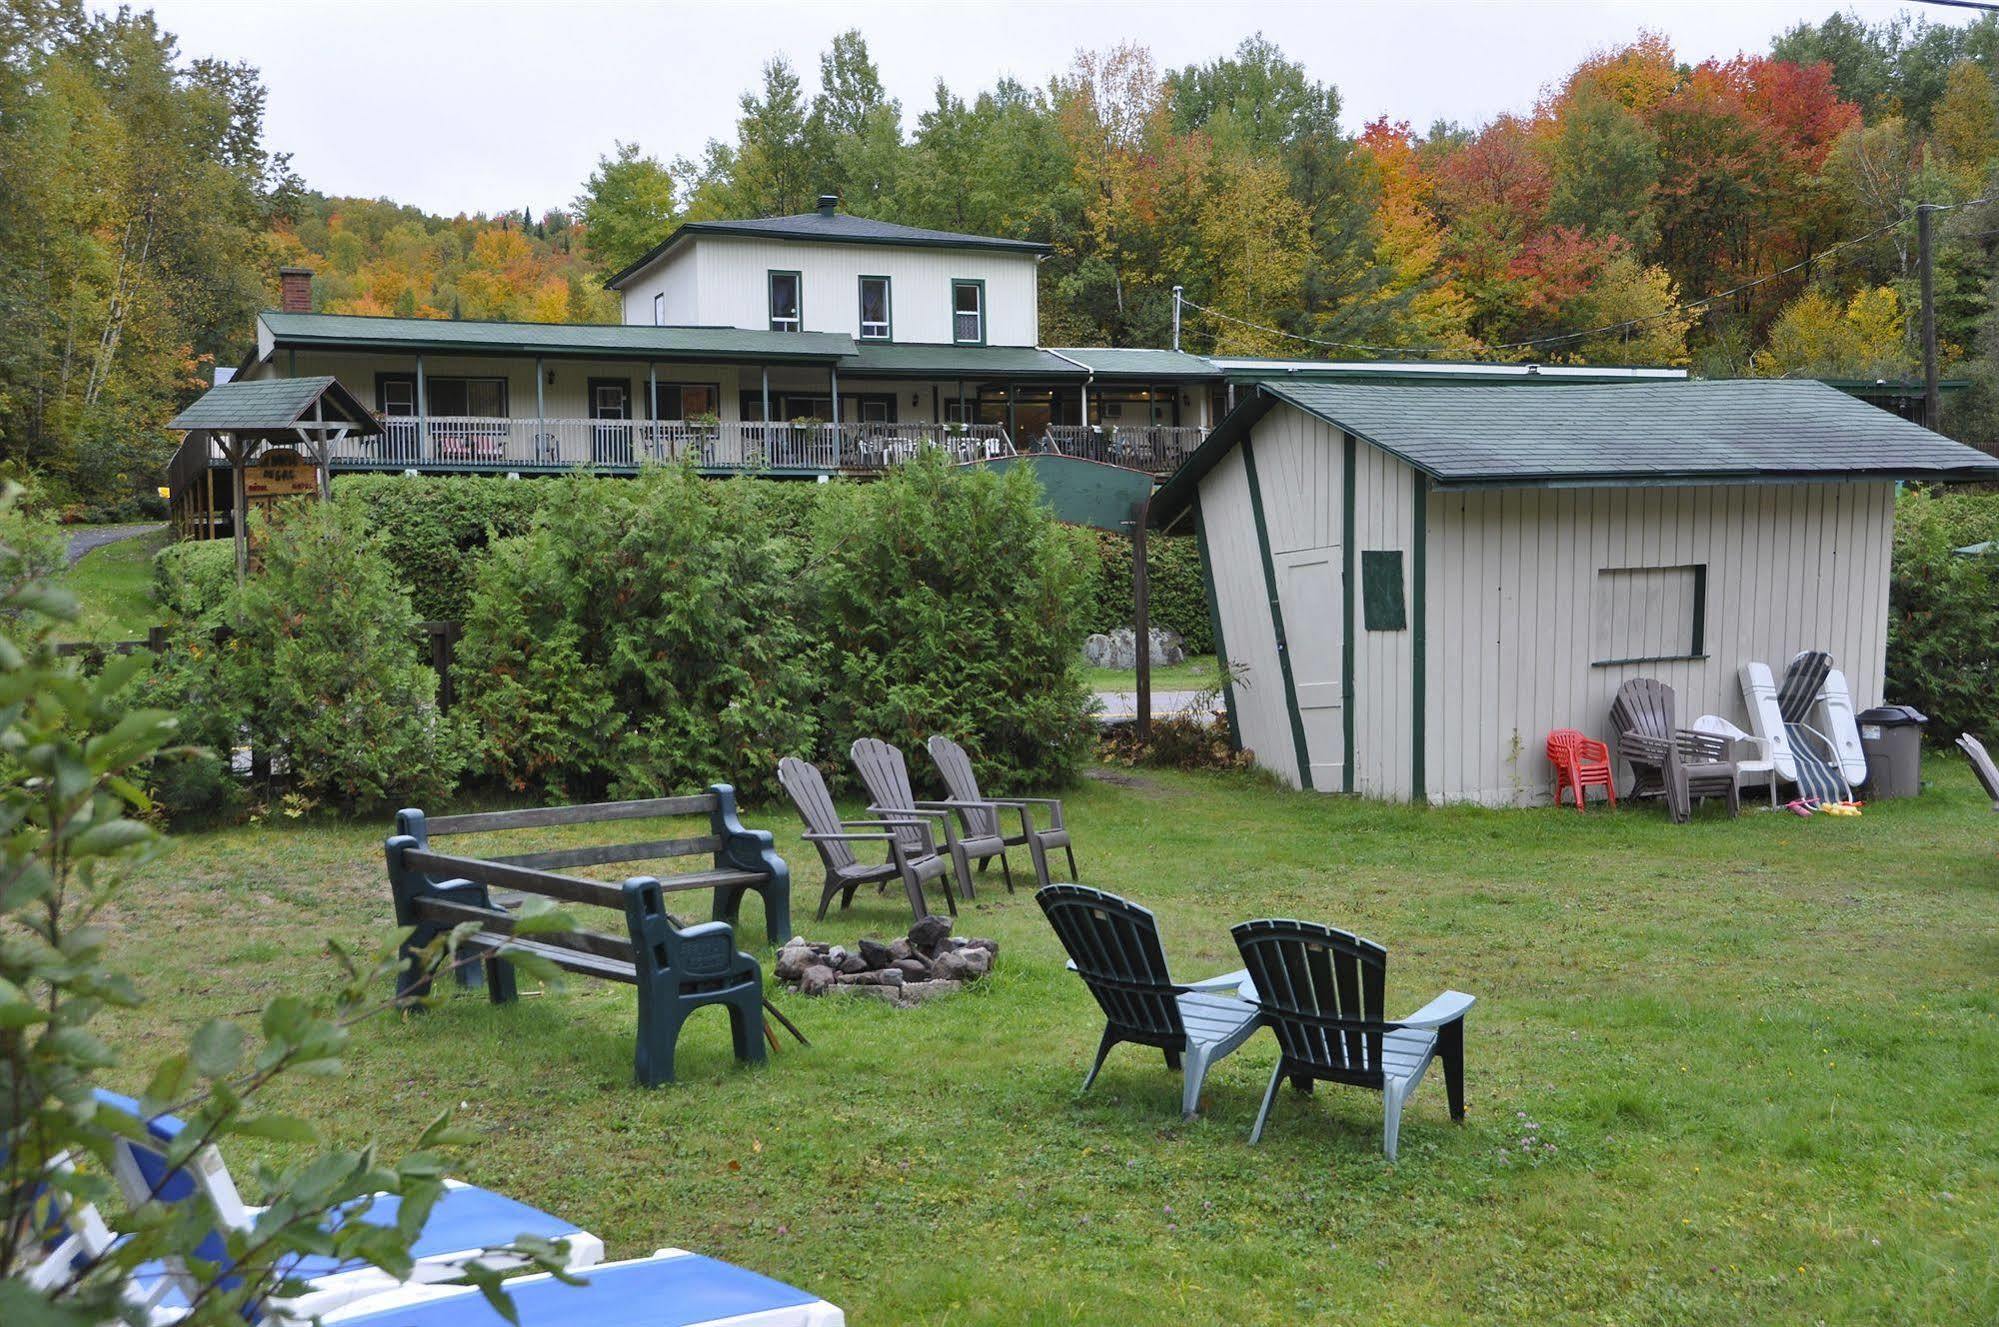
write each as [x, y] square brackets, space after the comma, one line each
[1157, 449]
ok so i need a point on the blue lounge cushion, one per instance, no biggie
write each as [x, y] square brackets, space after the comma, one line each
[679, 1290]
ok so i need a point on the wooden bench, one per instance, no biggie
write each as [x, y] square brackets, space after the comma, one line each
[676, 969]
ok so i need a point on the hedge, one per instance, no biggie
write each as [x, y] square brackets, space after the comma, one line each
[1176, 590]
[435, 528]
[1943, 612]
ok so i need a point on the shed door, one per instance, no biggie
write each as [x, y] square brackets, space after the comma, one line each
[1309, 590]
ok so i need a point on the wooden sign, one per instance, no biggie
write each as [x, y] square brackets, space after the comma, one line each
[279, 473]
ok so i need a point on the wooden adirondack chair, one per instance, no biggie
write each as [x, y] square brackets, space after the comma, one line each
[1981, 765]
[1320, 991]
[1113, 946]
[912, 855]
[1677, 762]
[886, 775]
[956, 767]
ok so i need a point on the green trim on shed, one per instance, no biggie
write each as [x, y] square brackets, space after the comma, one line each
[1300, 749]
[1349, 465]
[1215, 624]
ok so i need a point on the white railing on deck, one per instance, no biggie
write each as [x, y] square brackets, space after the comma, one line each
[1156, 448]
[465, 442]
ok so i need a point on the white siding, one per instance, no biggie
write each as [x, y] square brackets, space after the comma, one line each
[1384, 520]
[1514, 618]
[1243, 605]
[733, 287]
[1298, 469]
[675, 277]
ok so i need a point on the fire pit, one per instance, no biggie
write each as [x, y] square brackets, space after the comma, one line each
[926, 963]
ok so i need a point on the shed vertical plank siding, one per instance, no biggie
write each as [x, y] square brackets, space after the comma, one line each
[1243, 605]
[1299, 461]
[1383, 723]
[1515, 623]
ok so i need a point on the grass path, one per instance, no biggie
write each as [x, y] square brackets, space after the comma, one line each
[1728, 1073]
[113, 585]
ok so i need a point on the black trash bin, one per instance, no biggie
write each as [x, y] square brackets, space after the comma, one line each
[1892, 737]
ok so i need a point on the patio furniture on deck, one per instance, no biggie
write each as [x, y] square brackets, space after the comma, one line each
[1676, 762]
[1113, 945]
[886, 775]
[1320, 991]
[956, 767]
[912, 854]
[1580, 762]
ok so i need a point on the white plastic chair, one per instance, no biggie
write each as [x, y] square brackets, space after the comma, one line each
[1762, 766]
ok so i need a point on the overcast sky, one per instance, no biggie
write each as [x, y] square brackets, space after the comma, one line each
[508, 103]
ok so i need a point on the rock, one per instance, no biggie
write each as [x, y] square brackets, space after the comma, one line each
[990, 946]
[916, 992]
[853, 963]
[793, 959]
[952, 966]
[886, 994]
[912, 969]
[901, 949]
[957, 942]
[927, 936]
[1119, 649]
[815, 980]
[887, 977]
[978, 962]
[836, 956]
[876, 954]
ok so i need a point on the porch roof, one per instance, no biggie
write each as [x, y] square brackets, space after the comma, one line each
[341, 331]
[907, 359]
[1123, 362]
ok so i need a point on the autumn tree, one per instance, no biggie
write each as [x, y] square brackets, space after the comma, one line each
[626, 207]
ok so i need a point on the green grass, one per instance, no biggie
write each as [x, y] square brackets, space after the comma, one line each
[1197, 673]
[1725, 1073]
[113, 587]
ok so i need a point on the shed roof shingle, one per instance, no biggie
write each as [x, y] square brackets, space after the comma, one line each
[1534, 434]
[272, 405]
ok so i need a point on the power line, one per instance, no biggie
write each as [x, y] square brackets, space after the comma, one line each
[1628, 324]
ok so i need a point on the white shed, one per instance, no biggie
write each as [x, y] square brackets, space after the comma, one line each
[1416, 582]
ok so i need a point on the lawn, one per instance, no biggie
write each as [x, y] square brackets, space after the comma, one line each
[1726, 1073]
[1197, 673]
[113, 587]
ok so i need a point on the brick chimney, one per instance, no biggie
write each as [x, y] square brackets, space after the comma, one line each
[295, 289]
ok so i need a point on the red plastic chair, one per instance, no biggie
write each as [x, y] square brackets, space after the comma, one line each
[1579, 763]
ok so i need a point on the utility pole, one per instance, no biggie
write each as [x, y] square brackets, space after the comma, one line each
[1176, 317]
[1925, 257]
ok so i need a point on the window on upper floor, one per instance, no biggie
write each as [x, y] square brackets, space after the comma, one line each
[786, 301]
[968, 312]
[659, 310]
[874, 308]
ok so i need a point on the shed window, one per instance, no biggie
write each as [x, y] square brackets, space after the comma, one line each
[1645, 614]
[785, 301]
[1381, 599]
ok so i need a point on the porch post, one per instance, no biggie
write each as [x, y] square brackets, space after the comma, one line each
[834, 374]
[540, 410]
[422, 412]
[1011, 426]
[652, 406]
[766, 379]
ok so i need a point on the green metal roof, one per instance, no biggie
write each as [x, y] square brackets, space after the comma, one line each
[892, 359]
[1118, 362]
[828, 228]
[598, 340]
[273, 405]
[1468, 435]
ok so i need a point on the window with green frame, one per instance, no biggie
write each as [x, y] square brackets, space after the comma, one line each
[968, 313]
[875, 309]
[787, 301]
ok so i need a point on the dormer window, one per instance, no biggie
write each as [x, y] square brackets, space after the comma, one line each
[874, 308]
[968, 312]
[786, 302]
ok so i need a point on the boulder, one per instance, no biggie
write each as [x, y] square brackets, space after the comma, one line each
[928, 935]
[901, 948]
[1119, 649]
[876, 954]
[916, 992]
[836, 956]
[815, 980]
[990, 946]
[952, 966]
[793, 959]
[978, 962]
[853, 963]
[912, 969]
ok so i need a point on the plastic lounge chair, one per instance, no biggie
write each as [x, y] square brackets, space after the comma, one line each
[1113, 946]
[956, 767]
[1320, 991]
[886, 775]
[1838, 723]
[1678, 763]
[912, 855]
[1821, 775]
[1580, 762]
[1981, 765]
[673, 1288]
[1757, 769]
[463, 1224]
